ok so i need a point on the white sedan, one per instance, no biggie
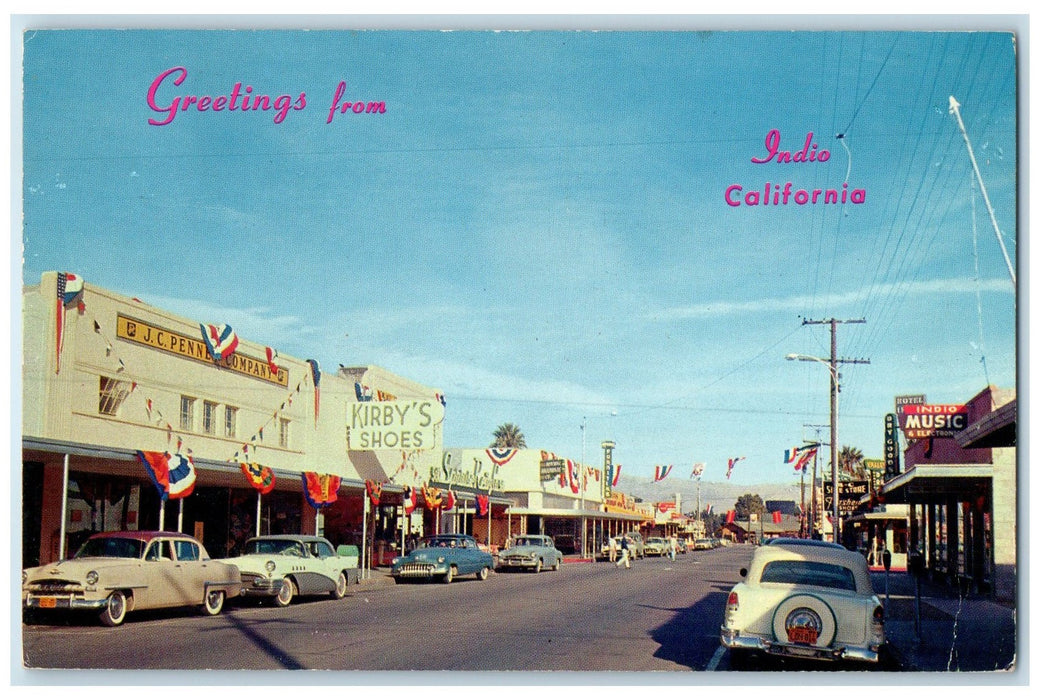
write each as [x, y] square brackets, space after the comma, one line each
[806, 599]
[280, 567]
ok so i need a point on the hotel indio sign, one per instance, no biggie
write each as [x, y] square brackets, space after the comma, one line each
[143, 333]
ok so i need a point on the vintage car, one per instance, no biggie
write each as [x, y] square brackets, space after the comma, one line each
[445, 557]
[534, 552]
[655, 546]
[281, 567]
[703, 543]
[805, 599]
[636, 547]
[114, 573]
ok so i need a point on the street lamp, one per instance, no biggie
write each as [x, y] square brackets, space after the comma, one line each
[836, 525]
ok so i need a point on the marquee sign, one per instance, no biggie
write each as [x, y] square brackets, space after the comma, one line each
[919, 421]
[194, 348]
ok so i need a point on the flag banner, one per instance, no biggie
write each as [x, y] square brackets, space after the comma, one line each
[617, 475]
[70, 289]
[260, 477]
[698, 469]
[440, 397]
[320, 490]
[432, 497]
[731, 516]
[374, 490]
[660, 472]
[221, 340]
[732, 463]
[803, 459]
[572, 476]
[410, 499]
[363, 393]
[449, 500]
[316, 376]
[791, 455]
[272, 355]
[483, 503]
[181, 476]
[501, 455]
[158, 467]
[707, 511]
[777, 517]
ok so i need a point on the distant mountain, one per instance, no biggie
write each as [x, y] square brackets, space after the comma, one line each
[722, 495]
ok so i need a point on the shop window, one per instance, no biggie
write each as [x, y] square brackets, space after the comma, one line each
[230, 420]
[187, 413]
[283, 432]
[209, 417]
[111, 394]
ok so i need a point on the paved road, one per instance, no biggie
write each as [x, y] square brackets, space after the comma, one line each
[657, 616]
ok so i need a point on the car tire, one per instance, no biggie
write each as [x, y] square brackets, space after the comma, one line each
[286, 593]
[558, 565]
[450, 576]
[115, 610]
[538, 566]
[341, 586]
[809, 607]
[482, 574]
[213, 603]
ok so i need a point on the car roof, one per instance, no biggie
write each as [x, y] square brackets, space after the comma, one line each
[289, 538]
[142, 535]
[796, 541]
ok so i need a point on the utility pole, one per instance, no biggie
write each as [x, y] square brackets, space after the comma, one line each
[833, 366]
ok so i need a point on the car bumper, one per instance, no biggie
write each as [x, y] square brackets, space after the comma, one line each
[61, 602]
[260, 586]
[419, 570]
[733, 639]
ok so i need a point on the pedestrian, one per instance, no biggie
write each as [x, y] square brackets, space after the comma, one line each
[672, 545]
[612, 549]
[624, 554]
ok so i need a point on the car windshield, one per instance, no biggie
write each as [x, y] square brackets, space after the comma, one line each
[118, 547]
[287, 547]
[443, 542]
[809, 573]
[527, 542]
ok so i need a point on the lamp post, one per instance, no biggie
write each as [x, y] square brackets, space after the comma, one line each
[832, 368]
[581, 483]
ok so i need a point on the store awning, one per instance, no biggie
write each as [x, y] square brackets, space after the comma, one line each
[898, 511]
[996, 429]
[937, 482]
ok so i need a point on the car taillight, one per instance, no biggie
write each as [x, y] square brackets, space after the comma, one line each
[879, 624]
[733, 602]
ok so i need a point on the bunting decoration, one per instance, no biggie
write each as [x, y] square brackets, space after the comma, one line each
[500, 455]
[698, 469]
[221, 340]
[363, 393]
[572, 476]
[449, 500]
[440, 397]
[617, 475]
[482, 504]
[70, 292]
[410, 499]
[660, 473]
[732, 463]
[374, 490]
[432, 497]
[260, 477]
[316, 376]
[158, 468]
[320, 490]
[181, 475]
[173, 476]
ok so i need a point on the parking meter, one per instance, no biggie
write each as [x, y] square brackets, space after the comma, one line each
[886, 559]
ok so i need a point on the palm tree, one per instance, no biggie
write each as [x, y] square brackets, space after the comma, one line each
[851, 462]
[509, 436]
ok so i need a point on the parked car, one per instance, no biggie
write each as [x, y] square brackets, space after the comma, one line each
[114, 573]
[656, 546]
[703, 543]
[806, 599]
[534, 552]
[445, 557]
[280, 567]
[636, 548]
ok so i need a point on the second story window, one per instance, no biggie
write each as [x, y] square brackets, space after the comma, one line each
[283, 432]
[209, 417]
[111, 393]
[187, 413]
[230, 420]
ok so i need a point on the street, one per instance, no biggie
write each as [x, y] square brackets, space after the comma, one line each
[657, 616]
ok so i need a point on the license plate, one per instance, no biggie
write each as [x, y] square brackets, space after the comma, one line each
[802, 635]
[48, 602]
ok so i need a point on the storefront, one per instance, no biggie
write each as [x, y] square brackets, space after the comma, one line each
[125, 403]
[961, 496]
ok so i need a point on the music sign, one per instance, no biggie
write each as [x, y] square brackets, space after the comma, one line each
[919, 421]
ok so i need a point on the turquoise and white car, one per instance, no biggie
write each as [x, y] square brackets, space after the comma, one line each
[532, 552]
[444, 557]
[281, 567]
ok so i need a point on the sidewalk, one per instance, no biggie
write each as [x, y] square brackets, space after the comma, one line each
[966, 633]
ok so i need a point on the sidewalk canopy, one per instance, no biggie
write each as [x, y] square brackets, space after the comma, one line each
[939, 480]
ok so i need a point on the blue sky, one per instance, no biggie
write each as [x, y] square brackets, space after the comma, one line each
[537, 225]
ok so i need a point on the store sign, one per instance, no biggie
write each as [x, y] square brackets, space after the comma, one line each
[919, 421]
[891, 446]
[394, 425]
[874, 465]
[194, 348]
[911, 400]
[465, 469]
[849, 495]
[550, 469]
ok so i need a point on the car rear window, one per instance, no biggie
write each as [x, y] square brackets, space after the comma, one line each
[809, 573]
